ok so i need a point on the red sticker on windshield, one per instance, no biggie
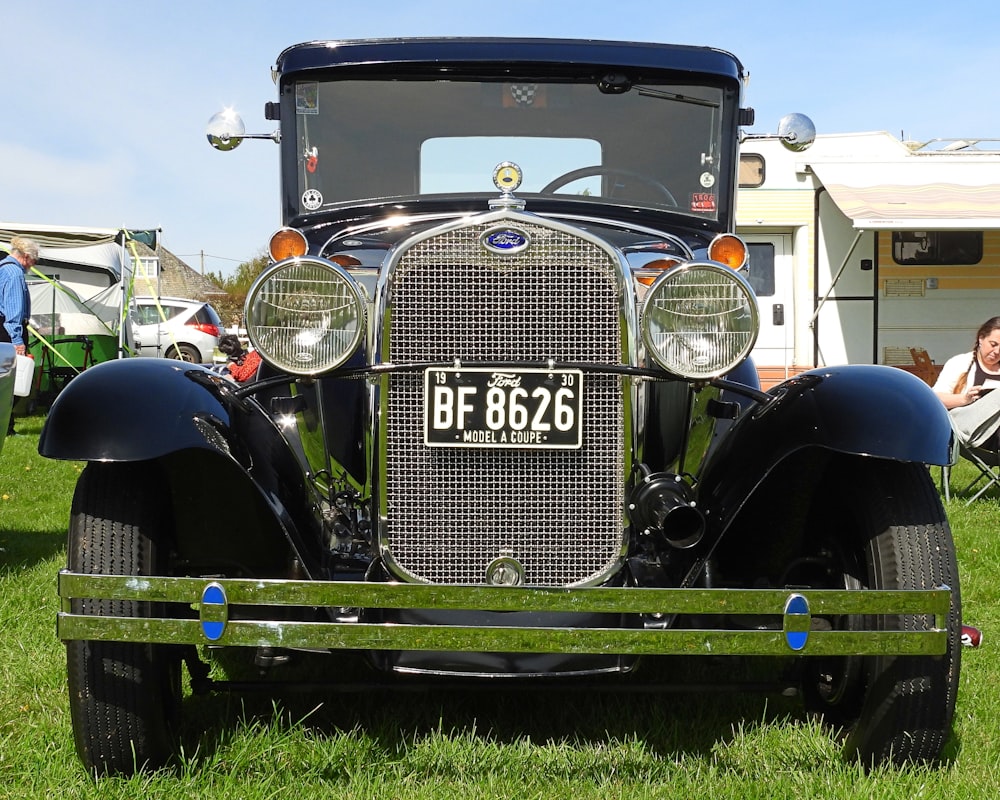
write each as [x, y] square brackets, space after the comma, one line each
[702, 201]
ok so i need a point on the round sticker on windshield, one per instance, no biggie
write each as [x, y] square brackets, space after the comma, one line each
[312, 199]
[707, 180]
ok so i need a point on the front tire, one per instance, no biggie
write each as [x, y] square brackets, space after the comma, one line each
[124, 698]
[185, 352]
[894, 709]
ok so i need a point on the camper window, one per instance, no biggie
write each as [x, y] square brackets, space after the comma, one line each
[937, 247]
[760, 268]
[751, 171]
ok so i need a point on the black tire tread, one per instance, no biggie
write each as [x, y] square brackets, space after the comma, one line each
[120, 720]
[910, 700]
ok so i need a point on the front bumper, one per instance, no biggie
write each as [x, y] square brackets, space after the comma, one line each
[203, 615]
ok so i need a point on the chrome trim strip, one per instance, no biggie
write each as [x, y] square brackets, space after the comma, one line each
[367, 636]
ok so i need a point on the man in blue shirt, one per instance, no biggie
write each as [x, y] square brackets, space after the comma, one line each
[15, 302]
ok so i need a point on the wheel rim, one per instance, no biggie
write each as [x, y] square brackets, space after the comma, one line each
[834, 682]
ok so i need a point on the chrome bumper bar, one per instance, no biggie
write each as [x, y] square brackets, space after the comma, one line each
[204, 616]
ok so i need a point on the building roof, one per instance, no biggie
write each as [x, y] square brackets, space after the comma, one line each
[175, 279]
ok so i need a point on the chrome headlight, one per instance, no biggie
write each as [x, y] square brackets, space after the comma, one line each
[699, 320]
[305, 316]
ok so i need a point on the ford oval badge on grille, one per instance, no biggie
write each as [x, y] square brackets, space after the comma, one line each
[505, 241]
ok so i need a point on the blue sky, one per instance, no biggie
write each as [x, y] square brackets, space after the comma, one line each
[105, 103]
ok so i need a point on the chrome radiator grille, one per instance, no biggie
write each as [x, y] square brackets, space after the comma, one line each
[451, 511]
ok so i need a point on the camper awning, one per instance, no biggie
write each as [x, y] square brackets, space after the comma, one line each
[917, 193]
[95, 247]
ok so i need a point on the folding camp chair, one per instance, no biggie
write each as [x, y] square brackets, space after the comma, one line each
[923, 367]
[987, 462]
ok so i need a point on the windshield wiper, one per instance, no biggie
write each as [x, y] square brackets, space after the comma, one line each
[680, 98]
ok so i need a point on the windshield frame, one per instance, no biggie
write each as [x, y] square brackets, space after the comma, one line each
[693, 90]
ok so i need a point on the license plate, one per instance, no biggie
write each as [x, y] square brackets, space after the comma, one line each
[519, 408]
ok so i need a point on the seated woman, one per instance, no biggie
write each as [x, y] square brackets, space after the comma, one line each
[965, 385]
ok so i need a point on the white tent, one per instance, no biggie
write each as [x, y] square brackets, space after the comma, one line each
[86, 260]
[92, 264]
[58, 311]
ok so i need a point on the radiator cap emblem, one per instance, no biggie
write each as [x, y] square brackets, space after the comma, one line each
[505, 571]
[507, 176]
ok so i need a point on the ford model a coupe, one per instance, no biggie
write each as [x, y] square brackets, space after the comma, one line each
[506, 424]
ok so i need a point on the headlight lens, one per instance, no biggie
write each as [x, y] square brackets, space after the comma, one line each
[305, 316]
[699, 320]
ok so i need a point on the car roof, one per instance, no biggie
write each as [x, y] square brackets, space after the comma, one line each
[529, 51]
[152, 299]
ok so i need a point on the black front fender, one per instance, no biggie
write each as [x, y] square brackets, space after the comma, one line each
[132, 410]
[865, 411]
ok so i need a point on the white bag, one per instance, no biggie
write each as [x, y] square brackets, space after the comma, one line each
[24, 371]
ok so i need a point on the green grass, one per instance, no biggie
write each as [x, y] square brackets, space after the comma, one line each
[453, 745]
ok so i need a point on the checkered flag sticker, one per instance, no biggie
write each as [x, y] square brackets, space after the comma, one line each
[523, 93]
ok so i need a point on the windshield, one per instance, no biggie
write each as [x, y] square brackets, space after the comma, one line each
[364, 140]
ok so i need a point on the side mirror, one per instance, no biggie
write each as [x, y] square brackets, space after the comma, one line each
[796, 132]
[225, 130]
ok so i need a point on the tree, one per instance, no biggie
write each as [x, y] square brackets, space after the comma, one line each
[236, 286]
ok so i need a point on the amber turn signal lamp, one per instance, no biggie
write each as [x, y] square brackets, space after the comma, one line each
[651, 271]
[729, 250]
[345, 260]
[287, 243]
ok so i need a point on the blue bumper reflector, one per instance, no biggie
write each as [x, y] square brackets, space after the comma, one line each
[214, 612]
[798, 621]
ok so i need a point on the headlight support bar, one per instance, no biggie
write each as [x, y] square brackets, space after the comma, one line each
[388, 368]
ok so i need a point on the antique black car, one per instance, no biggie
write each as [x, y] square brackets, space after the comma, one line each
[506, 424]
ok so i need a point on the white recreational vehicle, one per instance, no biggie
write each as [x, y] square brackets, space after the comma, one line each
[864, 247]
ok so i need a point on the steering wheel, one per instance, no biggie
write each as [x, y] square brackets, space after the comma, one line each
[597, 169]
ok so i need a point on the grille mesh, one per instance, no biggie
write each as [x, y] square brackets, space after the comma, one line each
[451, 511]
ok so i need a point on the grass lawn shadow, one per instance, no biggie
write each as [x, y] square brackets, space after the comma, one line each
[23, 549]
[506, 714]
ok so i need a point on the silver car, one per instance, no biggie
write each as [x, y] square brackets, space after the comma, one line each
[173, 327]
